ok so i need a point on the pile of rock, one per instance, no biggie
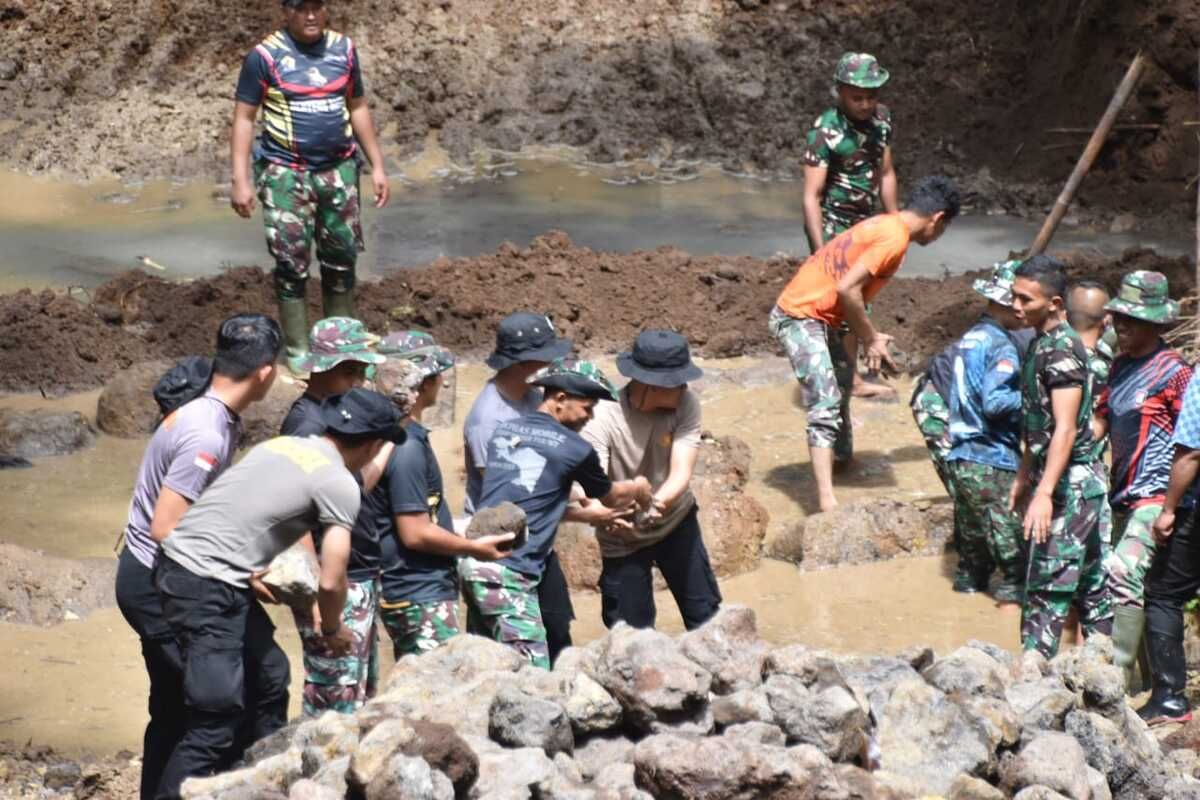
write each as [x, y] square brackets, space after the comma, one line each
[717, 713]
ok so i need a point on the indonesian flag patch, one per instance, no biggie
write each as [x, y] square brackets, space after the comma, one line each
[205, 461]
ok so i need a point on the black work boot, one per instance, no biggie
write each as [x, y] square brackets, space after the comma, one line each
[968, 582]
[1168, 669]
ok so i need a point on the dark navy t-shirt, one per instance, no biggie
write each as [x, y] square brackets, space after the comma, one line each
[532, 462]
[412, 483]
[304, 419]
[304, 90]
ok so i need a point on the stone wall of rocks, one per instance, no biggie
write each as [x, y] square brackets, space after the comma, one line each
[718, 714]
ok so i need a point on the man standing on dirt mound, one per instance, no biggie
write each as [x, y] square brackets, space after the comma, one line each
[306, 164]
[1062, 518]
[833, 286]
[847, 165]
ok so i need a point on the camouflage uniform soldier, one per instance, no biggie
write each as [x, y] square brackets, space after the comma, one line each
[847, 164]
[409, 509]
[306, 165]
[1138, 407]
[533, 461]
[1062, 519]
[931, 412]
[985, 435]
[848, 155]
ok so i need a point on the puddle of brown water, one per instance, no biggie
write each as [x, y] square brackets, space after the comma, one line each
[81, 685]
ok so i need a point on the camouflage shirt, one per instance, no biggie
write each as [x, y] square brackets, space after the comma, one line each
[853, 154]
[1057, 360]
[1100, 361]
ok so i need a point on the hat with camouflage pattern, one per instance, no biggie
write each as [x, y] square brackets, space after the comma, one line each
[336, 339]
[1144, 295]
[419, 348]
[861, 70]
[580, 378]
[998, 286]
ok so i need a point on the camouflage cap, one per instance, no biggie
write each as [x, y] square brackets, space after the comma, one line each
[861, 70]
[580, 378]
[336, 339]
[419, 348]
[998, 286]
[1145, 295]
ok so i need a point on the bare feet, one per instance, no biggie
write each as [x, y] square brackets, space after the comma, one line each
[871, 390]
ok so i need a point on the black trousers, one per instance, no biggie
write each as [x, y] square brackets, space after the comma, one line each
[140, 605]
[557, 611]
[235, 676]
[627, 582]
[1173, 577]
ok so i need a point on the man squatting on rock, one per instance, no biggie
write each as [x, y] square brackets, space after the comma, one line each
[306, 164]
[525, 343]
[1138, 408]
[985, 443]
[532, 462]
[1057, 474]
[653, 430]
[847, 164]
[254, 511]
[834, 285]
[189, 449]
[408, 512]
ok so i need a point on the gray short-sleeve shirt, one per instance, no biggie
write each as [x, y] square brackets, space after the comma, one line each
[187, 452]
[489, 410]
[262, 506]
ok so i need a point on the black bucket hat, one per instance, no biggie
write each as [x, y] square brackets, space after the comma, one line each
[659, 358]
[524, 336]
[363, 414]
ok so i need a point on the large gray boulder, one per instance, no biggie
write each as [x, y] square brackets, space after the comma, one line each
[39, 433]
[520, 719]
[865, 531]
[728, 647]
[1054, 760]
[717, 768]
[828, 718]
[929, 739]
[968, 672]
[656, 685]
[294, 578]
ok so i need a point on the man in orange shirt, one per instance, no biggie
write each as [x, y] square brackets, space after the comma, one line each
[834, 285]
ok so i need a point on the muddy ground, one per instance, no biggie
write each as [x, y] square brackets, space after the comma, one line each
[58, 342]
[140, 89]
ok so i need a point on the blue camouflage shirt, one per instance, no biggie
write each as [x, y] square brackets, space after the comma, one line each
[985, 403]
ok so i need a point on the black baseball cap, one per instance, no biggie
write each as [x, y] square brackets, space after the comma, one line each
[362, 414]
[524, 336]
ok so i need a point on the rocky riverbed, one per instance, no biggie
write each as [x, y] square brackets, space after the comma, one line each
[718, 714]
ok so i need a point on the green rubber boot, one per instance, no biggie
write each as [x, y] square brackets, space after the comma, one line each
[337, 291]
[1128, 624]
[293, 319]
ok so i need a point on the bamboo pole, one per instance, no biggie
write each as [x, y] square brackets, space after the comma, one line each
[1090, 152]
[1129, 126]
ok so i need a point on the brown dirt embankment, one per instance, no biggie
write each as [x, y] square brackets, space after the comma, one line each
[57, 343]
[140, 89]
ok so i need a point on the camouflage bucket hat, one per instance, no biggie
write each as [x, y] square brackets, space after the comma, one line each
[861, 70]
[998, 286]
[580, 378]
[336, 339]
[419, 348]
[1144, 295]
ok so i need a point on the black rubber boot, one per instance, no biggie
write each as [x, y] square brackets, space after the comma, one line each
[969, 583]
[1168, 668]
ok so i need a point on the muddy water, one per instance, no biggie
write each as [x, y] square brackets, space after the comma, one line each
[80, 685]
[58, 234]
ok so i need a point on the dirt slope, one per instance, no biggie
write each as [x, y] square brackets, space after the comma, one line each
[142, 87]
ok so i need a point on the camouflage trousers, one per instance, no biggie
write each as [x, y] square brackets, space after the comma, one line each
[300, 205]
[932, 416]
[342, 683]
[1106, 512]
[989, 534]
[417, 628]
[820, 365]
[1133, 550]
[1066, 570]
[503, 605]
